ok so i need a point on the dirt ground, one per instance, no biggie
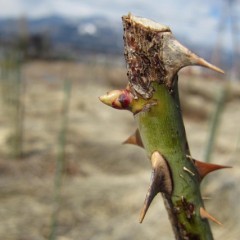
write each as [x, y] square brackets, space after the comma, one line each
[104, 182]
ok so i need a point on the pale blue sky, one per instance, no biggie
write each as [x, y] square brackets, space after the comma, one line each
[196, 19]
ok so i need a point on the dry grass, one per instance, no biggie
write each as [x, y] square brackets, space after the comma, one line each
[104, 182]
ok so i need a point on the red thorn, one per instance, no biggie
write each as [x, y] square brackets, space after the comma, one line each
[134, 139]
[160, 181]
[205, 168]
[205, 215]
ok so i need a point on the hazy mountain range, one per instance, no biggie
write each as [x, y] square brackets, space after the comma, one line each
[95, 34]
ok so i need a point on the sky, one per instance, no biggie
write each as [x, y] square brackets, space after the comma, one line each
[197, 19]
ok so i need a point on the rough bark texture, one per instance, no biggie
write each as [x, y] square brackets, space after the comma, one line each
[153, 58]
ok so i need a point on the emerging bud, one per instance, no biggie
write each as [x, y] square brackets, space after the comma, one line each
[119, 99]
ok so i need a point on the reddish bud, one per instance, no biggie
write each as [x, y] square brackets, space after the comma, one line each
[119, 99]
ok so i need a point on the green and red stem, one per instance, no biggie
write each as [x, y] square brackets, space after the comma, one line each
[153, 58]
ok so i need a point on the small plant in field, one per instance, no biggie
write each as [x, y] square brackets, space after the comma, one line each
[215, 121]
[60, 160]
[12, 93]
[153, 58]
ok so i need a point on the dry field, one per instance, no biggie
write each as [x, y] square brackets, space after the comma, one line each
[104, 183]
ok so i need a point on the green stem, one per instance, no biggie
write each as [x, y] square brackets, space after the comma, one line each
[161, 129]
[153, 58]
[214, 124]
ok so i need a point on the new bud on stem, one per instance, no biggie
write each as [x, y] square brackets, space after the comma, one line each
[125, 100]
[119, 99]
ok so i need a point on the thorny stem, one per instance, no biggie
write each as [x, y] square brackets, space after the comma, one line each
[153, 58]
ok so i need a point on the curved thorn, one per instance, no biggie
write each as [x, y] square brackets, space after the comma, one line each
[134, 139]
[189, 58]
[153, 190]
[161, 167]
[204, 168]
[161, 181]
[201, 62]
[205, 215]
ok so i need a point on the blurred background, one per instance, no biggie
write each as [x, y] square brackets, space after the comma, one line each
[64, 173]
